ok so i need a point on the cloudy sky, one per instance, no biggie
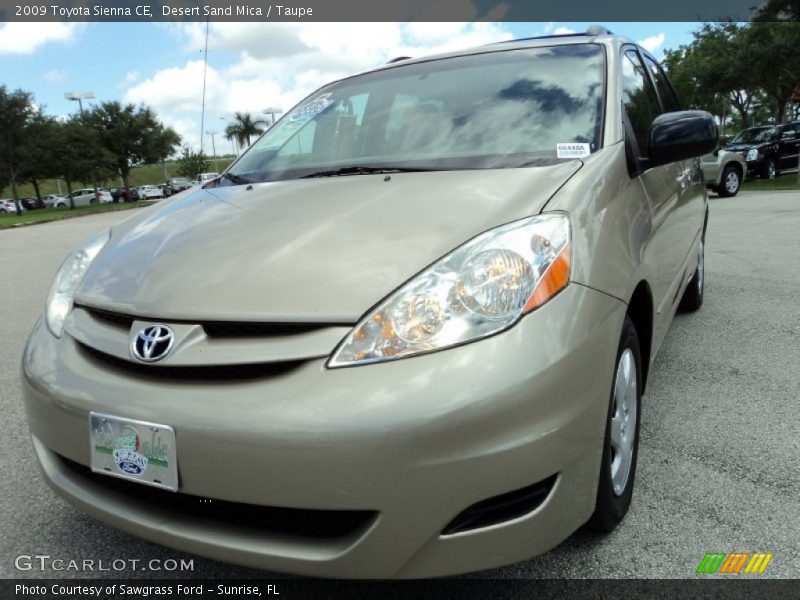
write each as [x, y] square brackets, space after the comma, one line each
[250, 65]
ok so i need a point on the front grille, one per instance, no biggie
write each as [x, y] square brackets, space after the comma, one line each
[207, 373]
[111, 318]
[504, 507]
[297, 522]
[216, 329]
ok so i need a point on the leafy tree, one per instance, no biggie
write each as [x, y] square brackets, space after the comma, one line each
[774, 50]
[16, 154]
[754, 68]
[243, 128]
[190, 163]
[44, 159]
[79, 151]
[131, 136]
[778, 10]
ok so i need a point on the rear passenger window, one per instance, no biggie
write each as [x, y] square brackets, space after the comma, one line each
[669, 102]
[639, 98]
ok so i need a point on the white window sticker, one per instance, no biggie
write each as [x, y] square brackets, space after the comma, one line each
[572, 150]
[309, 109]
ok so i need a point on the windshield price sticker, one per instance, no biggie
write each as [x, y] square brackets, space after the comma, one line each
[312, 108]
[572, 150]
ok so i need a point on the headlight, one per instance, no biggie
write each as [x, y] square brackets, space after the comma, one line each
[752, 154]
[479, 289]
[68, 279]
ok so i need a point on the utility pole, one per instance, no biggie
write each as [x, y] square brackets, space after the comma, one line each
[214, 148]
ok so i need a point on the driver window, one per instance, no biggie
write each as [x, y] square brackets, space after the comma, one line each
[639, 99]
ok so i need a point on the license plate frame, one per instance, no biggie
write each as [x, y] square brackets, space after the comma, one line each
[138, 451]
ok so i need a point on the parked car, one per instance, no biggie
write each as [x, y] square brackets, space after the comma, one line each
[421, 354]
[7, 207]
[120, 194]
[149, 191]
[205, 177]
[32, 203]
[55, 201]
[724, 171]
[87, 196]
[769, 149]
[175, 185]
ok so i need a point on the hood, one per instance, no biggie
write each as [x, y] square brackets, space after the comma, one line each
[746, 147]
[311, 250]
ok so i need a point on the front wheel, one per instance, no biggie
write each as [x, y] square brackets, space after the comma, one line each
[730, 183]
[621, 445]
[768, 169]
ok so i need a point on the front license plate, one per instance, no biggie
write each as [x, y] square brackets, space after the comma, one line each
[136, 450]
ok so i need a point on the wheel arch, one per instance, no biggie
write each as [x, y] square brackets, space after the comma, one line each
[736, 165]
[640, 310]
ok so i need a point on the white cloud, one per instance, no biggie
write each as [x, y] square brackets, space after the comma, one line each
[54, 76]
[652, 43]
[562, 31]
[26, 38]
[130, 78]
[280, 63]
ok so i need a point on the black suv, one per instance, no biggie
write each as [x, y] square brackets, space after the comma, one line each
[768, 149]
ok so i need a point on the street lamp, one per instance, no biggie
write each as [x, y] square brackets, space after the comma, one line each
[214, 148]
[80, 97]
[272, 111]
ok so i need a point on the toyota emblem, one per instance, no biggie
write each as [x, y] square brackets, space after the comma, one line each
[152, 343]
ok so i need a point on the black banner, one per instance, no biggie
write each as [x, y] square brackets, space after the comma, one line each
[376, 10]
[439, 589]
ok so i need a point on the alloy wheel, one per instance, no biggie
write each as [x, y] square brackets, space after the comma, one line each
[732, 182]
[623, 421]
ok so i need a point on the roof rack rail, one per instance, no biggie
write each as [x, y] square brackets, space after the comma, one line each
[397, 59]
[591, 31]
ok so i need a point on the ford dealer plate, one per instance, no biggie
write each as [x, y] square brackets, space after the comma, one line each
[136, 450]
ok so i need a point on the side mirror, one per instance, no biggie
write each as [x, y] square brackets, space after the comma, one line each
[680, 135]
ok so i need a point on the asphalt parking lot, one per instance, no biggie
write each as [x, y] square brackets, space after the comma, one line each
[719, 465]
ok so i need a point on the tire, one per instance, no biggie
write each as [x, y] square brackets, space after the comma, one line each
[692, 298]
[93, 201]
[768, 170]
[2, 211]
[621, 444]
[730, 182]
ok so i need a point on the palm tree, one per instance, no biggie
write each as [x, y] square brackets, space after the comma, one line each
[243, 128]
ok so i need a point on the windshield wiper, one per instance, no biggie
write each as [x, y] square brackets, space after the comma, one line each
[362, 170]
[237, 179]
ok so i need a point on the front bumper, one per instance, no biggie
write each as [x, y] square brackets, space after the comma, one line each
[416, 440]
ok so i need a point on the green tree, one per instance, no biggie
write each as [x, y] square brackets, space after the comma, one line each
[79, 151]
[243, 128]
[190, 163]
[44, 159]
[748, 67]
[778, 10]
[131, 136]
[16, 153]
[774, 50]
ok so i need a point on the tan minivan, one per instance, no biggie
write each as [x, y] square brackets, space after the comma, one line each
[405, 334]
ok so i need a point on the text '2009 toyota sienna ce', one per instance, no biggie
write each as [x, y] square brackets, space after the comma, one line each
[405, 334]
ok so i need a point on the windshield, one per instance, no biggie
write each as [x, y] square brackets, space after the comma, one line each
[494, 110]
[756, 135]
